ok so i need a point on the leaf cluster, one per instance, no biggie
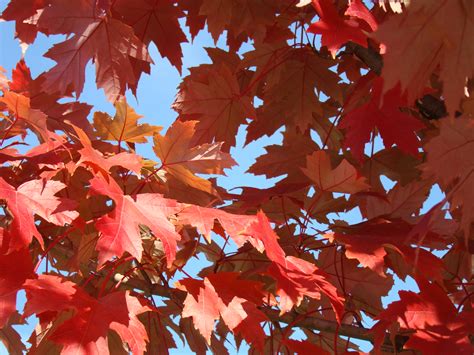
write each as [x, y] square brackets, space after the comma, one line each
[104, 241]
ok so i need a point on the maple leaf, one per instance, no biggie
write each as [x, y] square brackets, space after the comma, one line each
[241, 19]
[392, 163]
[261, 230]
[370, 256]
[289, 95]
[124, 126]
[213, 98]
[108, 42]
[344, 178]
[114, 230]
[86, 331]
[290, 271]
[19, 11]
[160, 337]
[15, 268]
[157, 22]
[58, 114]
[21, 78]
[401, 201]
[362, 286]
[359, 11]
[95, 159]
[231, 284]
[120, 228]
[34, 197]
[335, 30]
[194, 20]
[295, 277]
[10, 338]
[204, 308]
[381, 112]
[370, 242]
[19, 105]
[450, 161]
[277, 202]
[299, 278]
[266, 58]
[225, 295]
[182, 160]
[203, 219]
[431, 30]
[218, 16]
[439, 327]
[249, 327]
[281, 159]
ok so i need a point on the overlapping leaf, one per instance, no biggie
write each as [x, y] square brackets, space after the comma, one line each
[344, 178]
[120, 229]
[450, 161]
[335, 30]
[431, 31]
[124, 127]
[438, 325]
[282, 259]
[107, 41]
[384, 113]
[182, 160]
[212, 96]
[87, 330]
[35, 197]
[157, 22]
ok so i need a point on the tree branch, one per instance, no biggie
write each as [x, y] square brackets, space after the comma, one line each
[368, 56]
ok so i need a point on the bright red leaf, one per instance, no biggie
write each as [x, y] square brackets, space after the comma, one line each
[35, 197]
[438, 325]
[382, 112]
[119, 229]
[335, 30]
[15, 268]
[87, 330]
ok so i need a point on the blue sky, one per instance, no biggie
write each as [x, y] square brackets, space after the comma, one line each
[154, 97]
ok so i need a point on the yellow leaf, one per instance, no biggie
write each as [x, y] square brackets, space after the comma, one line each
[124, 126]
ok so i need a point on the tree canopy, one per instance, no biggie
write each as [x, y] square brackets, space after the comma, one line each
[101, 239]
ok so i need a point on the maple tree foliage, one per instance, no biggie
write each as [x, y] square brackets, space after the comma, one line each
[101, 239]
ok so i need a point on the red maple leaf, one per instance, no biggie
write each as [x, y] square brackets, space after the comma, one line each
[119, 229]
[370, 241]
[95, 159]
[157, 22]
[295, 277]
[381, 112]
[110, 43]
[304, 347]
[15, 268]
[19, 11]
[292, 259]
[35, 197]
[438, 325]
[225, 295]
[335, 30]
[203, 220]
[86, 331]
